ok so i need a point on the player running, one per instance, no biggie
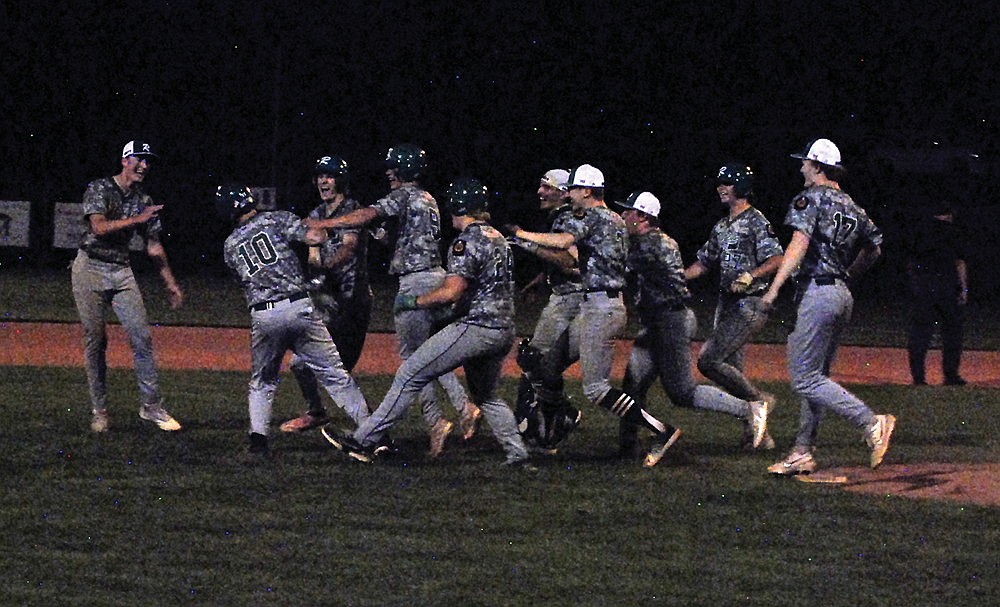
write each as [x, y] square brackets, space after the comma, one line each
[480, 283]
[663, 347]
[834, 241]
[746, 253]
[601, 238]
[417, 263]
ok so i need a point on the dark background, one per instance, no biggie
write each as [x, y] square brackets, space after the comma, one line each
[656, 94]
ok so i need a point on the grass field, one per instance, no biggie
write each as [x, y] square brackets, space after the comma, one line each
[142, 517]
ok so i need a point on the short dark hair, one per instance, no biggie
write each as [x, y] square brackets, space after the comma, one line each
[833, 173]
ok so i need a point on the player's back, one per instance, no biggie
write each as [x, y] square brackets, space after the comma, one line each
[481, 255]
[260, 254]
[837, 228]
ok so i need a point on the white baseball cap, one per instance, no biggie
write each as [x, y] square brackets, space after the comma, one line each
[822, 151]
[557, 178]
[586, 176]
[137, 148]
[643, 202]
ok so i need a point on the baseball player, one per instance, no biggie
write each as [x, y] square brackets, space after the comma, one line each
[663, 347]
[480, 284]
[745, 250]
[417, 263]
[115, 210]
[282, 316]
[833, 242]
[563, 277]
[601, 239]
[338, 286]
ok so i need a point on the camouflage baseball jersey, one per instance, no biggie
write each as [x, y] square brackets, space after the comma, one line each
[419, 229]
[481, 255]
[656, 272]
[351, 277]
[104, 197]
[258, 252]
[559, 282]
[739, 245]
[837, 229]
[602, 242]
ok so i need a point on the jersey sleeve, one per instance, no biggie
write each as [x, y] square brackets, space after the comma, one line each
[708, 254]
[94, 200]
[870, 233]
[392, 205]
[803, 213]
[462, 258]
[766, 239]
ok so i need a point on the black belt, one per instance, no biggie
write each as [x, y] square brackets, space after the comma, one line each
[611, 293]
[825, 281]
[268, 305]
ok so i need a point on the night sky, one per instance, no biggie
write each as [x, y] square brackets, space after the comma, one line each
[656, 94]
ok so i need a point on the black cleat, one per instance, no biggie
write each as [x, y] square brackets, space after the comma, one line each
[345, 443]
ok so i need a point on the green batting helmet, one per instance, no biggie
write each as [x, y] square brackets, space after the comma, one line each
[409, 161]
[334, 166]
[465, 196]
[233, 200]
[738, 175]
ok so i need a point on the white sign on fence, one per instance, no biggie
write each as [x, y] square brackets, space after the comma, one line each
[67, 225]
[15, 221]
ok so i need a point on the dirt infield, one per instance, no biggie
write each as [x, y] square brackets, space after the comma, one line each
[55, 344]
[964, 483]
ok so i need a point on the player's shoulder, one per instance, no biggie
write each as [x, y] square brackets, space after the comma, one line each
[665, 240]
[102, 186]
[100, 183]
[812, 197]
[349, 204]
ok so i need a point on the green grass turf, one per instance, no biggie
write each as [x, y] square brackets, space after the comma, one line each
[138, 516]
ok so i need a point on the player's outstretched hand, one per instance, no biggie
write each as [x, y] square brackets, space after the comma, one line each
[149, 213]
[509, 229]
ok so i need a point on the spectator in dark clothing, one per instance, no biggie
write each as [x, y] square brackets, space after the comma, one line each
[940, 288]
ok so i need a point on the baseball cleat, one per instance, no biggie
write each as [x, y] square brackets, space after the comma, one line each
[156, 413]
[563, 424]
[758, 420]
[797, 462]
[535, 449]
[99, 422]
[746, 441]
[386, 446]
[660, 446]
[346, 444]
[304, 422]
[520, 463]
[878, 437]
[438, 433]
[469, 420]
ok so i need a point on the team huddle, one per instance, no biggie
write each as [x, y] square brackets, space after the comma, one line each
[457, 310]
